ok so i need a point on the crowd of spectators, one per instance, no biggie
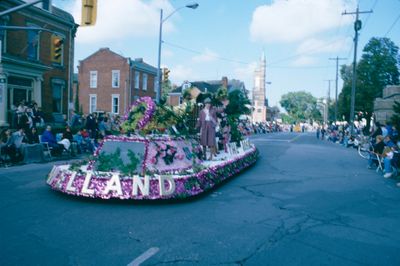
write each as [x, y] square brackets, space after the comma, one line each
[247, 128]
[26, 116]
[383, 143]
[79, 135]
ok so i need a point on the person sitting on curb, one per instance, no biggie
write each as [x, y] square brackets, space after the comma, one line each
[388, 155]
[8, 147]
[377, 150]
[14, 145]
[52, 141]
[32, 136]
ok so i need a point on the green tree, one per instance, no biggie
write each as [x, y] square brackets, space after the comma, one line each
[377, 68]
[238, 105]
[166, 88]
[301, 106]
[344, 98]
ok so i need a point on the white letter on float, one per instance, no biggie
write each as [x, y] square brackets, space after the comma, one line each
[85, 187]
[171, 182]
[69, 187]
[144, 186]
[113, 184]
[53, 173]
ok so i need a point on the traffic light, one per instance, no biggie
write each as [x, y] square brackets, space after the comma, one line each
[56, 48]
[165, 74]
[89, 12]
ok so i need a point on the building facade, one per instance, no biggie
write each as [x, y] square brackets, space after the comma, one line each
[30, 70]
[109, 82]
[383, 107]
[259, 100]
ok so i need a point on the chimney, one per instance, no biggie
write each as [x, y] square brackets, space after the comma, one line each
[225, 82]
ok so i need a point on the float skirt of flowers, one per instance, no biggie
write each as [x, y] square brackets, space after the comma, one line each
[88, 183]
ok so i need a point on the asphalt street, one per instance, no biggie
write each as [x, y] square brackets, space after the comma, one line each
[305, 202]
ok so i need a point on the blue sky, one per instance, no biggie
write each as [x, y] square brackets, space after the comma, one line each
[227, 37]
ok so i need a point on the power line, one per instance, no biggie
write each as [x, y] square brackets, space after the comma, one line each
[369, 15]
[299, 67]
[198, 52]
[305, 52]
[270, 65]
[391, 27]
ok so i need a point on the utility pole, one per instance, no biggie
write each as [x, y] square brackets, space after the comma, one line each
[336, 83]
[357, 27]
[328, 98]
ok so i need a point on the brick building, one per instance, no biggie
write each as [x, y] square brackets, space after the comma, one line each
[29, 68]
[110, 82]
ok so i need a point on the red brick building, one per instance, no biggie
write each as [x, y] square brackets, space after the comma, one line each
[29, 67]
[109, 82]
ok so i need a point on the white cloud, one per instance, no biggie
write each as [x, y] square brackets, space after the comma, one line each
[293, 20]
[119, 19]
[304, 61]
[206, 56]
[315, 46]
[180, 73]
[166, 53]
[246, 73]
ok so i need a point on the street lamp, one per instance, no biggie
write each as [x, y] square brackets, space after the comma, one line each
[158, 89]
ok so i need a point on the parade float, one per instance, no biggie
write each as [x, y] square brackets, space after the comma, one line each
[144, 165]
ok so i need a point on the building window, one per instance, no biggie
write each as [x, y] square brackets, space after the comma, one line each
[155, 84]
[19, 89]
[115, 78]
[33, 44]
[144, 82]
[115, 103]
[93, 79]
[137, 79]
[92, 103]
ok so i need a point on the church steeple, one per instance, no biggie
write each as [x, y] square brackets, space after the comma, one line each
[259, 114]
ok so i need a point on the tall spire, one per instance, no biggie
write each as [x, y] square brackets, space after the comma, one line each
[263, 56]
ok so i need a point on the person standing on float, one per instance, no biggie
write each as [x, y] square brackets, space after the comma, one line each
[207, 123]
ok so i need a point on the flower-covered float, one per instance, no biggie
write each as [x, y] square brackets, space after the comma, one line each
[149, 166]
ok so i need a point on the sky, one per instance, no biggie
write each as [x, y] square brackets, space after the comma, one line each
[227, 38]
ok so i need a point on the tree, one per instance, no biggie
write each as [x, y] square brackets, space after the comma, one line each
[377, 68]
[166, 88]
[238, 105]
[301, 106]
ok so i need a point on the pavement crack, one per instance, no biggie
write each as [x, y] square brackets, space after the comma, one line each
[253, 192]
